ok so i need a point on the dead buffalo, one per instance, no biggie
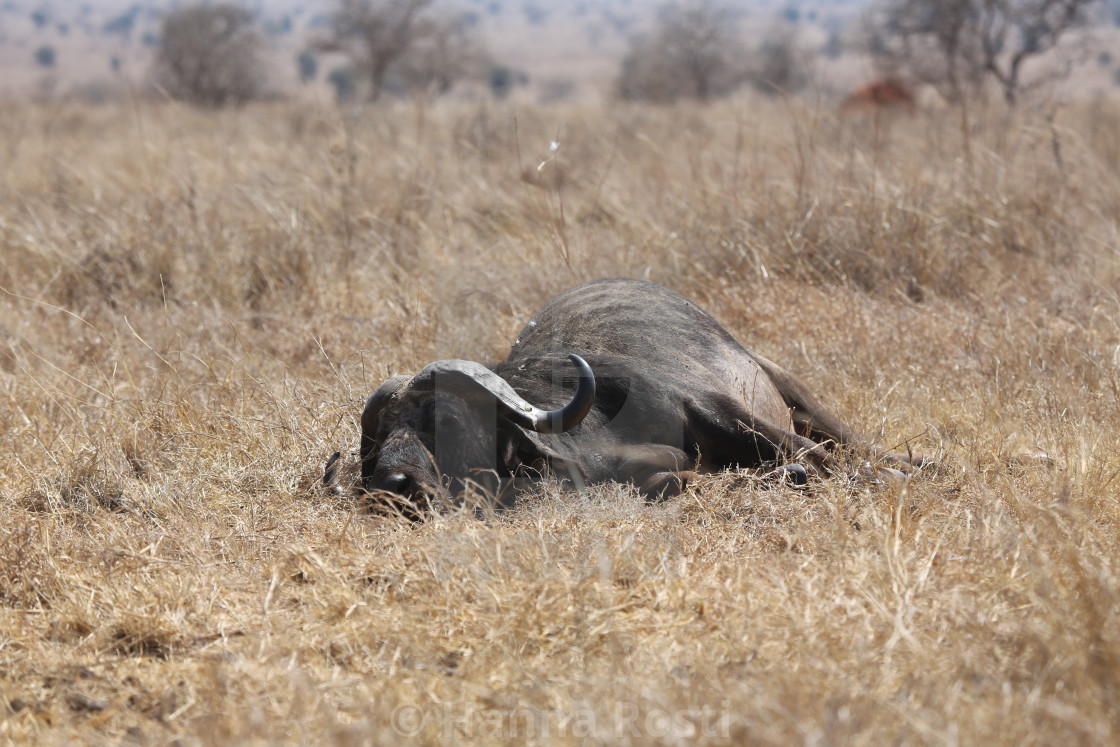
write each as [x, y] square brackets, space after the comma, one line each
[617, 380]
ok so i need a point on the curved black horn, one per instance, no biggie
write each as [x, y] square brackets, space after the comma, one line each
[512, 404]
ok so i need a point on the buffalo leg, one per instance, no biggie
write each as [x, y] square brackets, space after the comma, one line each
[658, 470]
[819, 424]
[726, 433]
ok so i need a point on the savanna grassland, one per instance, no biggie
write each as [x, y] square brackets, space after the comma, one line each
[195, 305]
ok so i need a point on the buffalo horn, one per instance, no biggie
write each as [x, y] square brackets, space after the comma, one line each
[513, 405]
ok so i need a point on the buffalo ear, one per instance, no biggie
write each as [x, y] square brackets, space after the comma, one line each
[371, 421]
[371, 415]
[526, 449]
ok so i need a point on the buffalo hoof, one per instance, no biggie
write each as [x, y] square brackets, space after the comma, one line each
[791, 474]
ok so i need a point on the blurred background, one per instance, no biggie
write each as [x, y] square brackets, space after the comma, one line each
[536, 51]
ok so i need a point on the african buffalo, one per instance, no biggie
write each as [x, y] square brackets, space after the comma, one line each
[628, 382]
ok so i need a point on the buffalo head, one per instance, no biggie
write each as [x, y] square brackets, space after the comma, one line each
[456, 421]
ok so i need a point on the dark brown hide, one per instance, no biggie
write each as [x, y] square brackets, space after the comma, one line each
[675, 394]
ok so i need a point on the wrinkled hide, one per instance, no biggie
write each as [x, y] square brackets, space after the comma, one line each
[669, 393]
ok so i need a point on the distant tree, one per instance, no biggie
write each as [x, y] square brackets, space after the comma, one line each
[210, 55]
[442, 52]
[780, 66]
[693, 52]
[44, 56]
[40, 18]
[400, 44]
[375, 35]
[958, 45]
[308, 66]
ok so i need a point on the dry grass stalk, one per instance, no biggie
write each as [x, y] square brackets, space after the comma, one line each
[180, 350]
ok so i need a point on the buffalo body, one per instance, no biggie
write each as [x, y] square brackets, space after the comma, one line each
[672, 393]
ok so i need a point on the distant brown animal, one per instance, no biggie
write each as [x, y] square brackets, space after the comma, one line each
[887, 94]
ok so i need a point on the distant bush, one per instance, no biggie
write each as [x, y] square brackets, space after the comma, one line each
[502, 79]
[308, 66]
[210, 55]
[345, 82]
[44, 56]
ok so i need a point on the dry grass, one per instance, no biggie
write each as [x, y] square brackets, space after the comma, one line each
[195, 306]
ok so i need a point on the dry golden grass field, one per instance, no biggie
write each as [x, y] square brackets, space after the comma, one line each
[194, 306]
